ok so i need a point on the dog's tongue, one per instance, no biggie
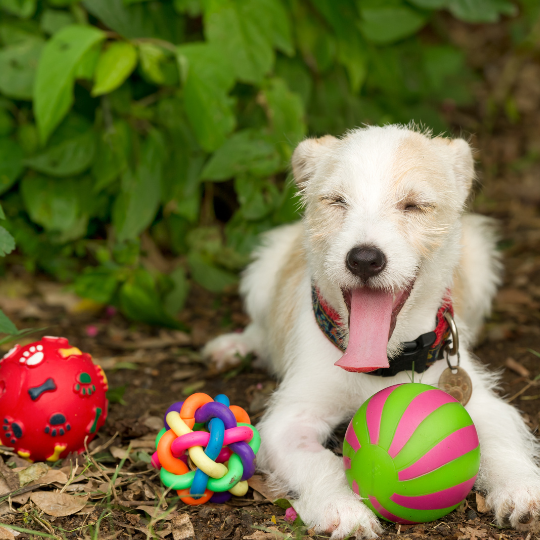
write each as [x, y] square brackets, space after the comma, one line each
[369, 328]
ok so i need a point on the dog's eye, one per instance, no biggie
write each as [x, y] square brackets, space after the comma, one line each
[335, 200]
[417, 207]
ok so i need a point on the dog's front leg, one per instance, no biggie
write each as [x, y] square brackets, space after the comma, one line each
[508, 471]
[299, 420]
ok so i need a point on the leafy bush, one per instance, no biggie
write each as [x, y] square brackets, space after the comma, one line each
[132, 128]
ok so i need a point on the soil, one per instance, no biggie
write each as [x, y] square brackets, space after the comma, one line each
[158, 367]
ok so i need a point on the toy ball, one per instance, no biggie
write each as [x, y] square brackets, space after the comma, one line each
[206, 451]
[412, 453]
[52, 398]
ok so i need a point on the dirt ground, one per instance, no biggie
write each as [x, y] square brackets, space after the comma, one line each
[154, 368]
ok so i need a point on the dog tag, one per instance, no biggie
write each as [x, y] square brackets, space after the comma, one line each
[457, 383]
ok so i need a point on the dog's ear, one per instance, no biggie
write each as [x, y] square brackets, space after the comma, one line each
[306, 156]
[461, 155]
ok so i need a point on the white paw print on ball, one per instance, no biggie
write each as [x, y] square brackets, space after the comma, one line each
[33, 356]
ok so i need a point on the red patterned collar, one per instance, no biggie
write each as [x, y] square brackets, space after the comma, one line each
[420, 353]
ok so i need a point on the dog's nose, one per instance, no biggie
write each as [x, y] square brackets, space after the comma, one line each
[365, 262]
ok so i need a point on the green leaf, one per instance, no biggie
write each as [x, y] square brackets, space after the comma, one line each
[288, 207]
[15, 32]
[147, 20]
[297, 76]
[54, 20]
[20, 334]
[63, 3]
[176, 298]
[21, 8]
[6, 123]
[387, 21]
[6, 326]
[7, 242]
[55, 204]
[18, 64]
[97, 283]
[209, 276]
[137, 205]
[282, 503]
[446, 72]
[28, 138]
[191, 7]
[2, 214]
[278, 25]
[429, 4]
[286, 114]
[157, 65]
[114, 66]
[243, 235]
[207, 77]
[256, 201]
[116, 395]
[241, 32]
[72, 156]
[140, 301]
[351, 50]
[317, 44]
[87, 64]
[112, 153]
[53, 90]
[11, 163]
[481, 11]
[247, 151]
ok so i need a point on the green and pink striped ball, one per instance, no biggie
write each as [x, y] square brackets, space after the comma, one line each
[412, 453]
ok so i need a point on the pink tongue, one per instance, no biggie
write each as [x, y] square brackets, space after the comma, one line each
[369, 327]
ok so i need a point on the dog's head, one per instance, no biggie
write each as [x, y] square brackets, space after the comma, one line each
[380, 203]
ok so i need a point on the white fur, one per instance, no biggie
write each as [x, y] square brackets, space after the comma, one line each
[442, 250]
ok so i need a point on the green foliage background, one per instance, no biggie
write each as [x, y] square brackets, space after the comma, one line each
[130, 128]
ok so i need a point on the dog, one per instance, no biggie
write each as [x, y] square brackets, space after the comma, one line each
[384, 243]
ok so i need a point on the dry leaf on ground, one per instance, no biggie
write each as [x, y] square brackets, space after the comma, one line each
[34, 472]
[10, 476]
[157, 513]
[185, 373]
[119, 453]
[7, 533]
[182, 528]
[272, 533]
[4, 488]
[58, 504]
[53, 476]
[472, 533]
[155, 423]
[481, 505]
[258, 483]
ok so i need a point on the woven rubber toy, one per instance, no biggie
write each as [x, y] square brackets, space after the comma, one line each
[206, 451]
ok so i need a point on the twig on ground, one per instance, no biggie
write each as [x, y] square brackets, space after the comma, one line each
[104, 446]
[524, 389]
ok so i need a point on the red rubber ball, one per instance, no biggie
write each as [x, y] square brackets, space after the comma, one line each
[52, 396]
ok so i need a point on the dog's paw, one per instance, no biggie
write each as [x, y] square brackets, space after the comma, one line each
[344, 517]
[518, 506]
[226, 351]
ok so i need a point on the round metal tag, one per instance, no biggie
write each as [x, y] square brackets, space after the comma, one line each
[457, 383]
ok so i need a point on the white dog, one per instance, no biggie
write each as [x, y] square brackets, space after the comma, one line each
[382, 245]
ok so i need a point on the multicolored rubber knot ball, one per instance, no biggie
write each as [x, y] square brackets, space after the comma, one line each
[206, 451]
[52, 398]
[412, 453]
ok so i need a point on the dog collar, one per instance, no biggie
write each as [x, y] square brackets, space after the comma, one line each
[421, 353]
